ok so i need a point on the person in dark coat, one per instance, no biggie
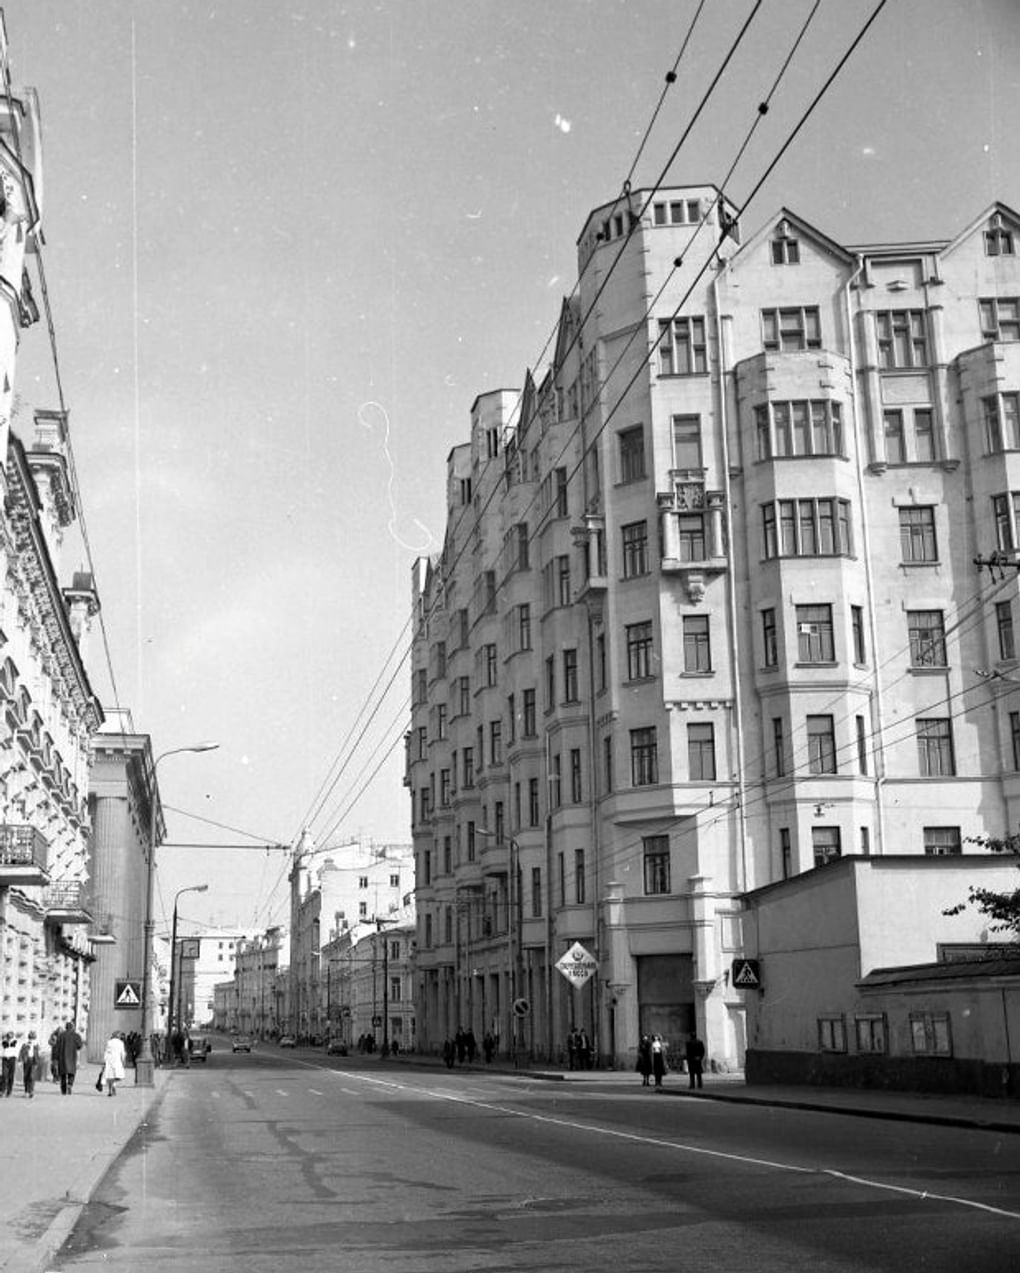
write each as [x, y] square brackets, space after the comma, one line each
[66, 1049]
[694, 1053]
[449, 1053]
[584, 1053]
[29, 1057]
[488, 1046]
[644, 1059]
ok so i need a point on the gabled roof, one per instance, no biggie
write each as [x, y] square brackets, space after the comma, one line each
[569, 315]
[526, 411]
[979, 223]
[804, 230]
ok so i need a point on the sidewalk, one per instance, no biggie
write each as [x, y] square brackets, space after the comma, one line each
[56, 1151]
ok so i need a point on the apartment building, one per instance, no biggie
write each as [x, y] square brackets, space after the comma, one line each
[726, 592]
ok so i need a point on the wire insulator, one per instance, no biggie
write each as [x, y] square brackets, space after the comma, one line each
[671, 77]
[763, 108]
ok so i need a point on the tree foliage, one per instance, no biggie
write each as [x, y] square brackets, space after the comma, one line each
[1002, 908]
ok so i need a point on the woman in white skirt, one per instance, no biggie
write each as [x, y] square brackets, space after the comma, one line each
[113, 1063]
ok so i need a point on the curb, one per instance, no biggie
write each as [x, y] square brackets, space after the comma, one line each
[36, 1256]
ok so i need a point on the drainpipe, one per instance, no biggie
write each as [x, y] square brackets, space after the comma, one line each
[877, 711]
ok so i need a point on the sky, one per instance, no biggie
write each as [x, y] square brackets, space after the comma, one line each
[287, 245]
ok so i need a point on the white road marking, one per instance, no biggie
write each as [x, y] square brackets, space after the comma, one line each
[281, 1092]
[315, 1091]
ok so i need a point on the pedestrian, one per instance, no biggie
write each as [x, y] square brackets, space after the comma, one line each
[572, 1048]
[29, 1058]
[8, 1061]
[584, 1049]
[460, 1041]
[471, 1046]
[644, 1059]
[694, 1052]
[488, 1046]
[449, 1051]
[659, 1067]
[65, 1050]
[113, 1063]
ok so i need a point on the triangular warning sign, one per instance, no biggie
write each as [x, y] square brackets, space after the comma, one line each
[128, 997]
[745, 973]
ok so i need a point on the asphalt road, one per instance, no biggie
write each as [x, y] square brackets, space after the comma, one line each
[278, 1161]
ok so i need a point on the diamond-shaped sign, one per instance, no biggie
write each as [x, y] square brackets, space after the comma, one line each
[578, 965]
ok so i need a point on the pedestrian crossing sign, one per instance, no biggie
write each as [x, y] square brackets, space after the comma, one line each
[127, 994]
[745, 974]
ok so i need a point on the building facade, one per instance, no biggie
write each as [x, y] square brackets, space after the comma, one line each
[708, 613]
[49, 710]
[254, 1005]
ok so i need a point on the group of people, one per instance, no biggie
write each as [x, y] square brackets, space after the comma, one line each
[65, 1043]
[652, 1060]
[464, 1047]
[13, 1051]
[580, 1055]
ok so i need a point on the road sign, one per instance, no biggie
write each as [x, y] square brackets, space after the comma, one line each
[127, 994]
[745, 974]
[191, 947]
[578, 965]
[377, 1021]
[521, 1007]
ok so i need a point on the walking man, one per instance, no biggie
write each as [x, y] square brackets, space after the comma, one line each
[694, 1052]
[9, 1059]
[29, 1057]
[65, 1051]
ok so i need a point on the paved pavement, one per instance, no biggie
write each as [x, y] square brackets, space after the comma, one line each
[57, 1149]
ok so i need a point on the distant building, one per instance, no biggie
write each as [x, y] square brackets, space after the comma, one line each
[727, 591]
[257, 967]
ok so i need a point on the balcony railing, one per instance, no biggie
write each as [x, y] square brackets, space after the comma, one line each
[65, 902]
[23, 853]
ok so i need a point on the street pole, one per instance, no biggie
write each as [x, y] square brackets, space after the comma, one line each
[176, 972]
[145, 1066]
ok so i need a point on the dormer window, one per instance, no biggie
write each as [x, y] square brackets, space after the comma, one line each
[785, 248]
[998, 238]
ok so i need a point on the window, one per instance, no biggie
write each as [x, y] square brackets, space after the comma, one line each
[421, 686]
[465, 490]
[831, 1034]
[857, 633]
[927, 634]
[444, 788]
[447, 861]
[635, 549]
[472, 843]
[523, 560]
[550, 683]
[426, 863]
[632, 454]
[924, 436]
[687, 442]
[464, 627]
[778, 747]
[785, 248]
[806, 528]
[468, 761]
[362, 881]
[441, 717]
[1002, 421]
[563, 580]
[570, 691]
[489, 592]
[464, 695]
[942, 842]
[362, 910]
[785, 852]
[935, 748]
[1004, 625]
[422, 742]
[682, 347]
[561, 880]
[1014, 733]
[495, 742]
[607, 762]
[862, 745]
[825, 843]
[998, 237]
[902, 338]
[530, 726]
[930, 1035]
[701, 752]
[680, 211]
[1000, 317]
[770, 647]
[690, 536]
[1006, 510]
[697, 652]
[802, 427]
[491, 670]
[821, 745]
[787, 330]
[492, 443]
[536, 892]
[560, 479]
[917, 534]
[644, 758]
[576, 794]
[656, 858]
[511, 720]
[600, 660]
[895, 444]
[639, 651]
[498, 822]
[534, 812]
[555, 782]
[815, 643]
[579, 889]
[870, 1031]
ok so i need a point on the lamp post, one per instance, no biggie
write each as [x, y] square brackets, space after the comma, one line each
[145, 1065]
[171, 1015]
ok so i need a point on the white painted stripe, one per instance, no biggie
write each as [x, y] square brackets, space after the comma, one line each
[315, 1091]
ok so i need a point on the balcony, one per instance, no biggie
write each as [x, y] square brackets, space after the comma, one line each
[23, 852]
[692, 532]
[64, 902]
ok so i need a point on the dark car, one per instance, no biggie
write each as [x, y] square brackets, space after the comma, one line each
[200, 1047]
[287, 1041]
[240, 1043]
[336, 1047]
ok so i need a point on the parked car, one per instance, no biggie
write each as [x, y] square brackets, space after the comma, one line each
[336, 1047]
[287, 1041]
[200, 1047]
[240, 1043]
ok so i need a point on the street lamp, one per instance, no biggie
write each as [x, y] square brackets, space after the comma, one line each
[144, 1065]
[170, 1014]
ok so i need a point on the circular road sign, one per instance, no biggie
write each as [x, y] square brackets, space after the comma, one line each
[521, 1007]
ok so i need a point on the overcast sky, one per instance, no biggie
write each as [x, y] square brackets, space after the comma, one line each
[288, 244]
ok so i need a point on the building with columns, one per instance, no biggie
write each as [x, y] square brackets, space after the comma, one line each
[49, 710]
[727, 591]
